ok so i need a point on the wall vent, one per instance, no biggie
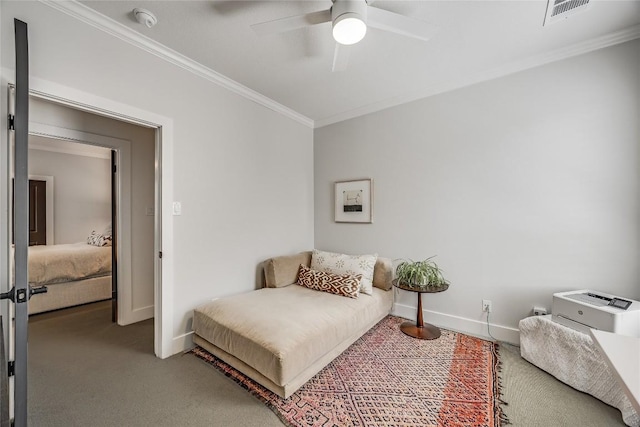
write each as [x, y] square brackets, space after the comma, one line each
[559, 10]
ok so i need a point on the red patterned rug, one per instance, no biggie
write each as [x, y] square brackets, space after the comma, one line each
[389, 379]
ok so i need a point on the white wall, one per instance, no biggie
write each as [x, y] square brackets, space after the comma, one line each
[243, 173]
[81, 193]
[522, 186]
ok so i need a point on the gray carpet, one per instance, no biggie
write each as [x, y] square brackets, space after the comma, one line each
[537, 399]
[86, 371]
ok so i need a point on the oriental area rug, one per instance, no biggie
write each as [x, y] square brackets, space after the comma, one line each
[387, 378]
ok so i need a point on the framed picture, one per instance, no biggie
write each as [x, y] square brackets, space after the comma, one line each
[354, 201]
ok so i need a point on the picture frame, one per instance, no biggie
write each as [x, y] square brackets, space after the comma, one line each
[354, 201]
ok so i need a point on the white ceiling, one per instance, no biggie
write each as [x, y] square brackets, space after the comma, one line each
[476, 40]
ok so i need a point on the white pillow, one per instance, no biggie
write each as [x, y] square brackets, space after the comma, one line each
[330, 262]
[96, 239]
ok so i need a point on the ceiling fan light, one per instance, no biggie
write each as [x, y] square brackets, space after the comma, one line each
[349, 28]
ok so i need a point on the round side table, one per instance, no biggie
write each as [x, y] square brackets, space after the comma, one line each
[420, 330]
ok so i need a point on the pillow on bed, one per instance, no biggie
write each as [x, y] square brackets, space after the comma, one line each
[382, 274]
[97, 239]
[344, 285]
[283, 270]
[363, 265]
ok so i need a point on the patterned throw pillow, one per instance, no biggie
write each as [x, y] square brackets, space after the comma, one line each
[347, 264]
[344, 285]
[97, 239]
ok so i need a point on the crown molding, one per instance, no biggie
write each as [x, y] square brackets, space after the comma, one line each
[625, 35]
[89, 16]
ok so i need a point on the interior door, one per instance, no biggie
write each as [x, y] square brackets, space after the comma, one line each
[16, 311]
[37, 212]
[114, 241]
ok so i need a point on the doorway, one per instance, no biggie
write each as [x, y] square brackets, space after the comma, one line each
[60, 143]
[77, 264]
[164, 344]
[136, 196]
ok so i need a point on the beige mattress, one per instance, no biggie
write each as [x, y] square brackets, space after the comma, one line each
[68, 294]
[281, 332]
[64, 263]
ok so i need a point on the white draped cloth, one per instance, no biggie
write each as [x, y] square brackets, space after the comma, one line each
[573, 358]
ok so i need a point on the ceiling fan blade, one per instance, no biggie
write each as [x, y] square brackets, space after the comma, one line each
[340, 57]
[399, 24]
[291, 23]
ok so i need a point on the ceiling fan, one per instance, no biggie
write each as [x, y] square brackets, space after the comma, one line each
[349, 20]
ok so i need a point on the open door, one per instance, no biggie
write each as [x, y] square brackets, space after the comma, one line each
[114, 237]
[37, 212]
[19, 294]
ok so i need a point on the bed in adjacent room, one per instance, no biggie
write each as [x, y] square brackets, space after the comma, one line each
[76, 273]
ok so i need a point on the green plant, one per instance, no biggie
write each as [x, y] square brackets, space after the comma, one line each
[424, 273]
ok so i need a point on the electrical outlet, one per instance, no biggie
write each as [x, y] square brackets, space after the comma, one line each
[539, 311]
[486, 305]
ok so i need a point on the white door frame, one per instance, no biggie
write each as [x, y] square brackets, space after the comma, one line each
[163, 268]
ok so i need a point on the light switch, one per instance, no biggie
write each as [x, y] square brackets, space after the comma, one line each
[177, 208]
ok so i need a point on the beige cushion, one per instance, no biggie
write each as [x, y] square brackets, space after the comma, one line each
[383, 273]
[344, 285]
[283, 270]
[336, 263]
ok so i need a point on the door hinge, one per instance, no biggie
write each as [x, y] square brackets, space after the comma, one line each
[115, 168]
[11, 368]
[11, 122]
[160, 254]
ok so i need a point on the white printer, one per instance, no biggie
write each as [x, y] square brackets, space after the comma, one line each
[586, 309]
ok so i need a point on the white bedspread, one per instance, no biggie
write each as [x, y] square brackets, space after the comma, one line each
[572, 357]
[64, 263]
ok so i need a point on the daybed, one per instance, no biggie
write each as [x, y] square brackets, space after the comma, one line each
[282, 335]
[74, 274]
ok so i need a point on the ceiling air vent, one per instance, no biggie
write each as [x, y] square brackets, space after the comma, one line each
[558, 10]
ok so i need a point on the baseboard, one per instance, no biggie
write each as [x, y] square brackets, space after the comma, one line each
[182, 343]
[460, 324]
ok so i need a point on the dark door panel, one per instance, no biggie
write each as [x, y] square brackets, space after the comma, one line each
[37, 212]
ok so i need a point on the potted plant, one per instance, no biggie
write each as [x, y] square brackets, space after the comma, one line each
[420, 274]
